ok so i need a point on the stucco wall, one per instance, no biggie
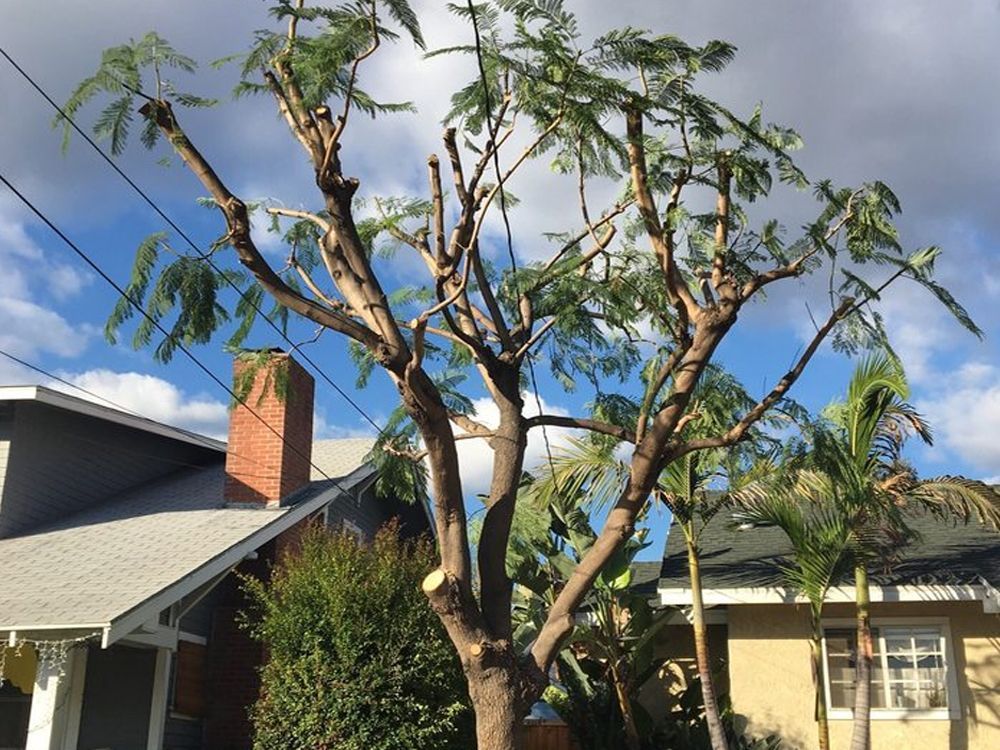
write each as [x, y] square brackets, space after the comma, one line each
[771, 685]
[675, 643]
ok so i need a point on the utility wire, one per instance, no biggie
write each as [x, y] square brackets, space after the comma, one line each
[506, 220]
[202, 255]
[155, 323]
[201, 439]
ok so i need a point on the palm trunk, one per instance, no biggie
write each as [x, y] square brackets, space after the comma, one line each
[816, 648]
[716, 732]
[861, 737]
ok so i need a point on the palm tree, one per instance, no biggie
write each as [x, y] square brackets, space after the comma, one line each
[818, 561]
[859, 471]
[591, 470]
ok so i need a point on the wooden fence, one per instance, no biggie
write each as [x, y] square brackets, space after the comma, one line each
[548, 735]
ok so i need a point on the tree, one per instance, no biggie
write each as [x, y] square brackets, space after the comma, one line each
[819, 559]
[860, 488]
[611, 652]
[653, 263]
[353, 649]
[694, 488]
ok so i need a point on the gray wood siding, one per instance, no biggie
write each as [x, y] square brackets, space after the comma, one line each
[117, 697]
[182, 734]
[6, 430]
[58, 462]
[370, 513]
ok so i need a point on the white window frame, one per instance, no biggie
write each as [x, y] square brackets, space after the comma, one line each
[349, 527]
[953, 712]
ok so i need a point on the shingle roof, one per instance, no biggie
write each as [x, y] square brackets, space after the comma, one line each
[339, 457]
[645, 576]
[96, 566]
[945, 553]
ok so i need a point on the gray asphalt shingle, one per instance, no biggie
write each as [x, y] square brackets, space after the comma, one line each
[99, 563]
[945, 553]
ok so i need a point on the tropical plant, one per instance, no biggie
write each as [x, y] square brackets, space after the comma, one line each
[820, 557]
[594, 471]
[622, 112]
[353, 650]
[610, 654]
[858, 485]
[686, 727]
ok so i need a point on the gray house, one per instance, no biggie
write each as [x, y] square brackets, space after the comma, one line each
[119, 540]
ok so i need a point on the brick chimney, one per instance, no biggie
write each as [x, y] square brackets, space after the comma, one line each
[263, 467]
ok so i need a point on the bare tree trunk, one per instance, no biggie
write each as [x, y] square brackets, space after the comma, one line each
[499, 708]
[860, 738]
[816, 648]
[716, 732]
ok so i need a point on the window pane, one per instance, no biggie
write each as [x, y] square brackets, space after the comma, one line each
[897, 644]
[928, 644]
[908, 670]
[903, 695]
[841, 669]
[842, 695]
[839, 642]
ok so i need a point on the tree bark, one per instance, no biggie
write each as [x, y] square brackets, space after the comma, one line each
[816, 650]
[500, 707]
[861, 736]
[713, 718]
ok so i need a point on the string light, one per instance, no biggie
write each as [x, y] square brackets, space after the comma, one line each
[52, 653]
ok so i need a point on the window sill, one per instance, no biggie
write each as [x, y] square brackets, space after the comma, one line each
[897, 714]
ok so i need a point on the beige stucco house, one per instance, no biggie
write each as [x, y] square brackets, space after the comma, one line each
[936, 617]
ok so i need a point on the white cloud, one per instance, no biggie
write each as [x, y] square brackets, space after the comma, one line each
[153, 398]
[965, 416]
[476, 458]
[27, 329]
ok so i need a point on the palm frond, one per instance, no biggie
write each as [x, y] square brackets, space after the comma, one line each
[583, 470]
[966, 499]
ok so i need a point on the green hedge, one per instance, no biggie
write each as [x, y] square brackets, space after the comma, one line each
[357, 659]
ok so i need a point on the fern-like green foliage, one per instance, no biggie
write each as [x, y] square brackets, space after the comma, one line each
[126, 73]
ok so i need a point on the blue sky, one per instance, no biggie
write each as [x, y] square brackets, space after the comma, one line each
[901, 91]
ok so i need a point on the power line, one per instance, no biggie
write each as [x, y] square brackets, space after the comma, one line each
[506, 220]
[155, 323]
[202, 255]
[200, 439]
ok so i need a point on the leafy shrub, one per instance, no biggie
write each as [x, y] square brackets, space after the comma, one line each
[357, 660]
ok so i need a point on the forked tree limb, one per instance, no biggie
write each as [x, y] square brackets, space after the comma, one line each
[237, 219]
[738, 431]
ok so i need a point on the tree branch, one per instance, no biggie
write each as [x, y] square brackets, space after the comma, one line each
[677, 290]
[581, 423]
[302, 215]
[738, 431]
[238, 222]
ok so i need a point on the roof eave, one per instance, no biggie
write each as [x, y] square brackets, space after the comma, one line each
[57, 399]
[982, 592]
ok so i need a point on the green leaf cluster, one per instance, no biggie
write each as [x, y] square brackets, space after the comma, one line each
[356, 658]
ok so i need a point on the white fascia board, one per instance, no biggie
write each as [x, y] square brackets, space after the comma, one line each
[285, 518]
[60, 400]
[735, 596]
